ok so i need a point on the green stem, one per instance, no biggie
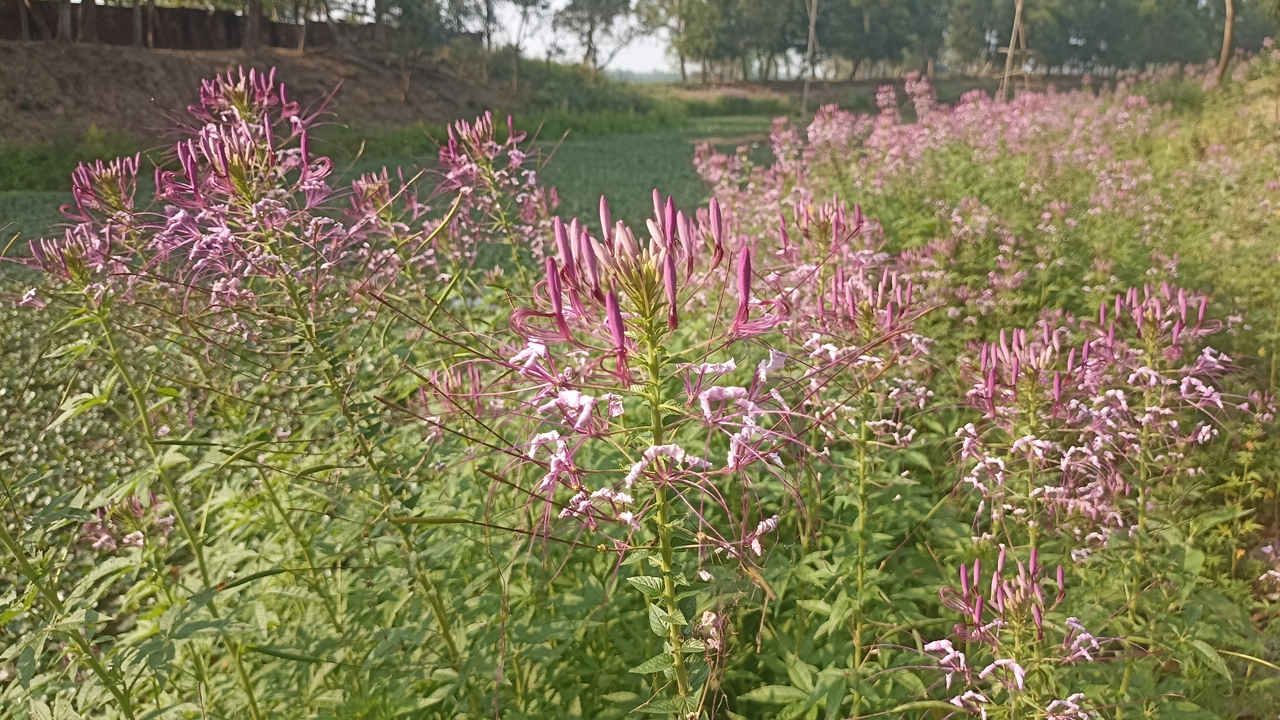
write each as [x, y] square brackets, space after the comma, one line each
[330, 605]
[188, 532]
[664, 527]
[366, 454]
[117, 691]
[861, 576]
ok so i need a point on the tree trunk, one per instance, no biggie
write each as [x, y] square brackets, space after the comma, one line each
[515, 68]
[812, 7]
[137, 23]
[489, 21]
[253, 26]
[684, 72]
[41, 26]
[301, 14]
[406, 74]
[22, 20]
[379, 28]
[64, 21]
[930, 72]
[1227, 30]
[151, 24]
[88, 21]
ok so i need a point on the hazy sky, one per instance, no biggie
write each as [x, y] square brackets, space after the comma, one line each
[644, 54]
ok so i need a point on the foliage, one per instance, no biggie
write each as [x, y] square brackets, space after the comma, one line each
[999, 440]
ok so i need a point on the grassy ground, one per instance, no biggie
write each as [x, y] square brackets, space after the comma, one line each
[627, 167]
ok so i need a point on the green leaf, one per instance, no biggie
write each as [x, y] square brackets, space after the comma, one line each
[1212, 657]
[200, 628]
[688, 605]
[39, 710]
[775, 694]
[313, 470]
[928, 705]
[1192, 561]
[657, 663]
[285, 654]
[658, 621]
[622, 696]
[647, 584]
[62, 709]
[26, 666]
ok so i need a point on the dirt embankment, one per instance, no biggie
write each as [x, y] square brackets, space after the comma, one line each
[50, 91]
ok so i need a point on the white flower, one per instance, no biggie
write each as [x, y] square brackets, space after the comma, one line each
[775, 362]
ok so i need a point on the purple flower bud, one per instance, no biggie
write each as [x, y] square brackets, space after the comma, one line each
[669, 284]
[1102, 314]
[1004, 552]
[977, 572]
[977, 611]
[1034, 563]
[657, 205]
[557, 301]
[565, 250]
[964, 582]
[782, 232]
[1039, 621]
[1204, 304]
[613, 318]
[606, 223]
[593, 265]
[744, 288]
[1062, 585]
[669, 225]
[686, 243]
[1057, 398]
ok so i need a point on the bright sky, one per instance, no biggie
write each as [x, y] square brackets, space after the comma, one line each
[644, 54]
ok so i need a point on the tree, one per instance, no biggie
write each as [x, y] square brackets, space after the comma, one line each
[253, 25]
[668, 15]
[529, 14]
[598, 24]
[1227, 28]
[418, 30]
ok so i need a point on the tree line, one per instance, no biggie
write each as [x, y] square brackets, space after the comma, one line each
[774, 39]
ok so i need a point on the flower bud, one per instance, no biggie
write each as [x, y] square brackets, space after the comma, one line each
[606, 222]
[564, 249]
[669, 284]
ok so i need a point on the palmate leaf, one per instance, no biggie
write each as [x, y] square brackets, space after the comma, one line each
[1211, 657]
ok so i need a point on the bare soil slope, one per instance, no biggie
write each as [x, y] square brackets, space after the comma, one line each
[50, 91]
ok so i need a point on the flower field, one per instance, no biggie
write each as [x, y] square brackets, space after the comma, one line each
[943, 411]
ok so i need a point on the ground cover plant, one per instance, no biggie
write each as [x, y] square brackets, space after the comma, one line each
[971, 415]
